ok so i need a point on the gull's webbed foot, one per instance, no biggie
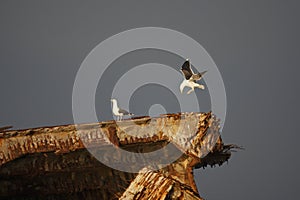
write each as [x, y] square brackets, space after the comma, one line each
[202, 87]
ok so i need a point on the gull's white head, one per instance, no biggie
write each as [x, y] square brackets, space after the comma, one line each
[182, 85]
[181, 90]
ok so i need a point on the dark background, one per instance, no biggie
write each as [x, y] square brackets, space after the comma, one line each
[255, 45]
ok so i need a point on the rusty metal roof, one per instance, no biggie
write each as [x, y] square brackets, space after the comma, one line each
[53, 162]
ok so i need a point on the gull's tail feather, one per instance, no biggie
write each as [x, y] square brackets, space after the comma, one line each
[202, 73]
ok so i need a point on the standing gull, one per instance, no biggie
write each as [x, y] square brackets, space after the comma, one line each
[190, 77]
[118, 112]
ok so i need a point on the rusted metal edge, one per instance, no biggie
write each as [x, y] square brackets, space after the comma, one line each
[15, 143]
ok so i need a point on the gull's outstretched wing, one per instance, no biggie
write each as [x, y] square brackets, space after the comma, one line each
[198, 76]
[186, 70]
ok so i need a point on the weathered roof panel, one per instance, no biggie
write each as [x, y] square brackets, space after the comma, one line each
[54, 162]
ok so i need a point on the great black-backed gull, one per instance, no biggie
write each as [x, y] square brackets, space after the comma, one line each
[118, 112]
[190, 77]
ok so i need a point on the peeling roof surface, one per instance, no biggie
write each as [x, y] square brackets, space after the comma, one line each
[53, 162]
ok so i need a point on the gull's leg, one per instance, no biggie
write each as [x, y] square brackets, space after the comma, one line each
[200, 86]
[191, 90]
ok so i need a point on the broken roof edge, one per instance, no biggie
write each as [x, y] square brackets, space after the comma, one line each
[192, 133]
[196, 135]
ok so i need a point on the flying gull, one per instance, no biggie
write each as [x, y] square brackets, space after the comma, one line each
[118, 112]
[190, 77]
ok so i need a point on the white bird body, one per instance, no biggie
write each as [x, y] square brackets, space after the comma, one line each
[115, 108]
[191, 84]
[190, 78]
[117, 111]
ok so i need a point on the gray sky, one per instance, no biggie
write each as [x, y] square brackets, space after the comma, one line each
[255, 45]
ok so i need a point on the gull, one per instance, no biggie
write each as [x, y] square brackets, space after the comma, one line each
[190, 77]
[118, 112]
